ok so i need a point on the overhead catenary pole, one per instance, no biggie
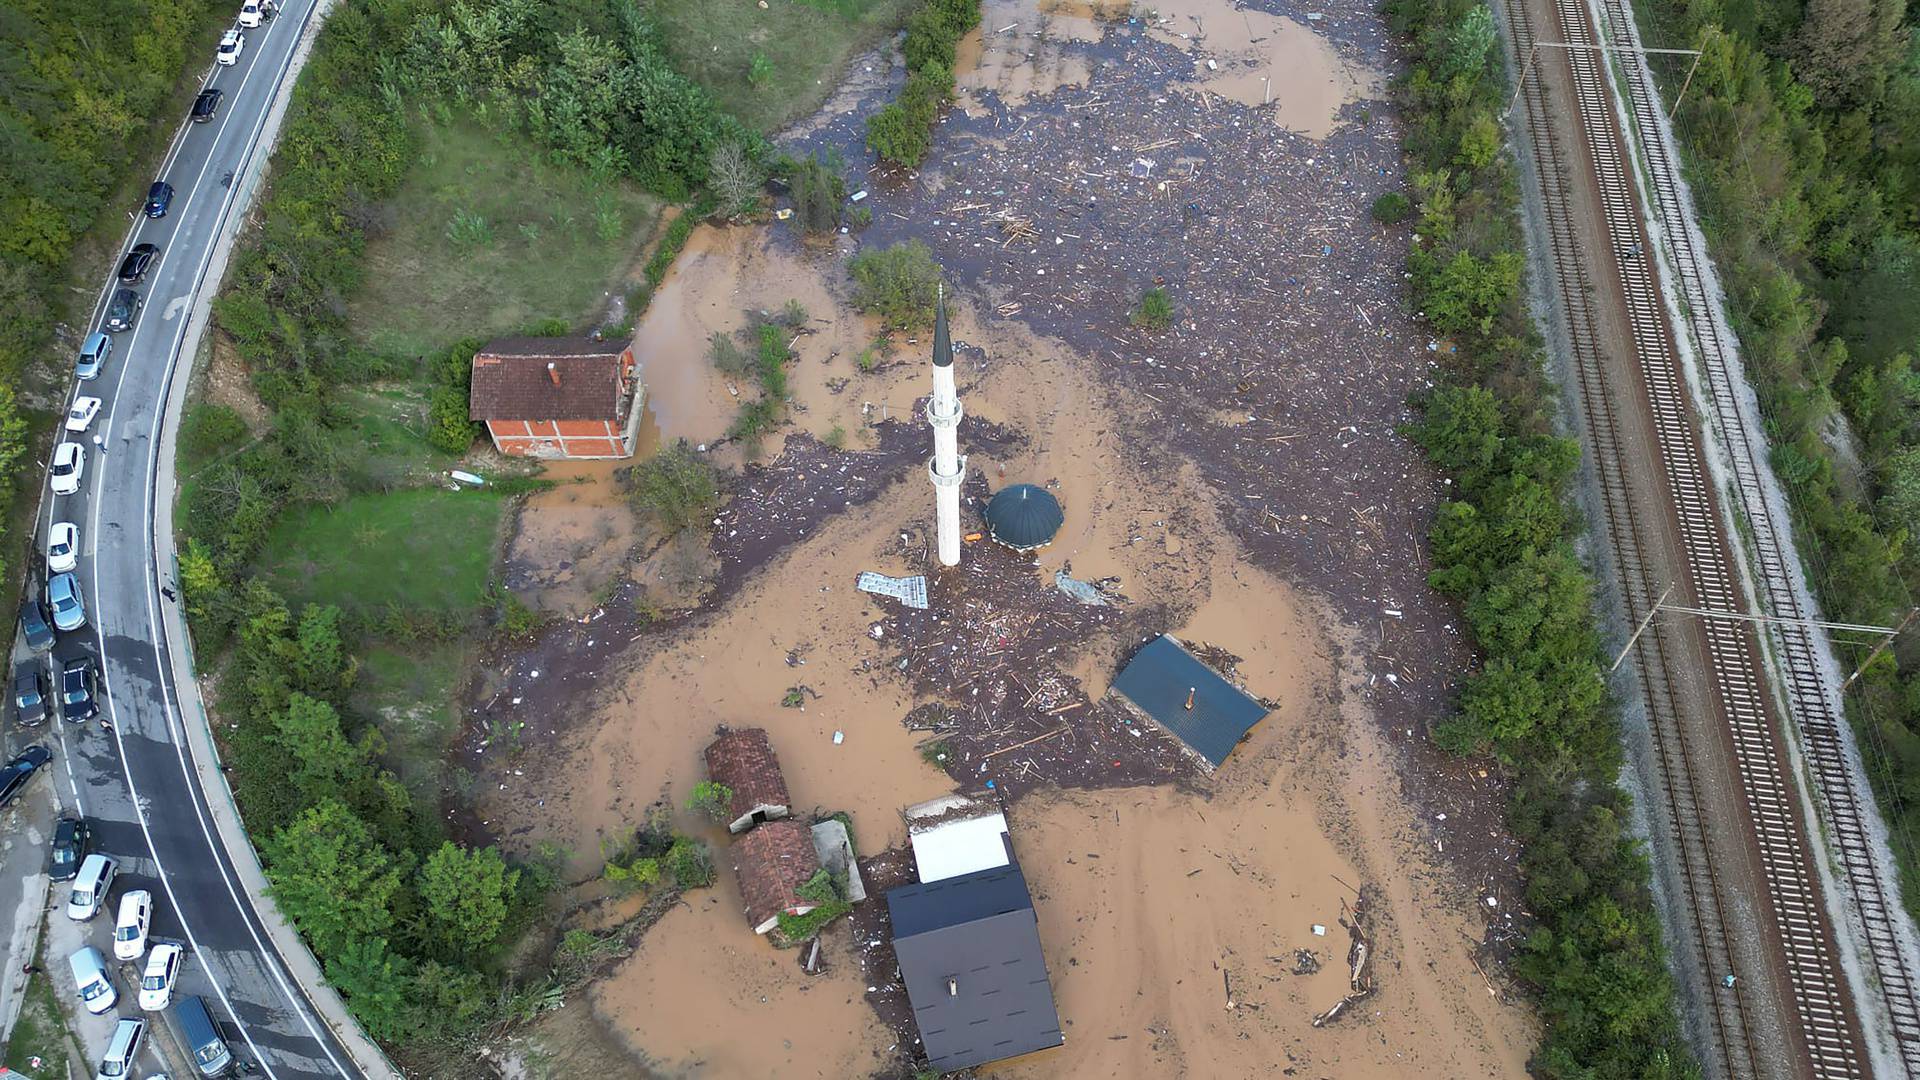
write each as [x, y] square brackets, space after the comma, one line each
[1880, 648]
[946, 469]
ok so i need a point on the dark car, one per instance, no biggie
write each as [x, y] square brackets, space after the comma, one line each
[70, 839]
[205, 106]
[15, 774]
[34, 625]
[133, 268]
[123, 309]
[159, 198]
[77, 678]
[30, 692]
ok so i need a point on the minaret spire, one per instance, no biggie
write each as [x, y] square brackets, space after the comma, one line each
[942, 345]
[947, 469]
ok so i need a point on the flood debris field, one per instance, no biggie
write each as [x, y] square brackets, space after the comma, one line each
[1236, 479]
[1288, 372]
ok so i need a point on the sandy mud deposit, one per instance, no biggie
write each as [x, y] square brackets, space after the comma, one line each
[1237, 480]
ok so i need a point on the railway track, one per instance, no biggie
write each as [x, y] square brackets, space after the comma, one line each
[1679, 786]
[1811, 686]
[1826, 1030]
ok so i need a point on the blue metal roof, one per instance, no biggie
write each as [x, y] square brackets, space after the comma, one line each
[1157, 681]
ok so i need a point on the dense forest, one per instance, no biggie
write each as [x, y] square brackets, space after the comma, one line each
[80, 85]
[1801, 130]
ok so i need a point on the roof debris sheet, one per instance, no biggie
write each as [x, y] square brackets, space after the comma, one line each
[1188, 698]
[911, 591]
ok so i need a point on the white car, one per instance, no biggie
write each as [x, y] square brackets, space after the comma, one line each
[80, 417]
[130, 930]
[63, 547]
[231, 45]
[250, 15]
[69, 465]
[157, 982]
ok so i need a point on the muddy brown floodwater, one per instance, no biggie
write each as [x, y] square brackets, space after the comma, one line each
[1237, 479]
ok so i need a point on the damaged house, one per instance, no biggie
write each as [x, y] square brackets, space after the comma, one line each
[968, 941]
[772, 861]
[743, 760]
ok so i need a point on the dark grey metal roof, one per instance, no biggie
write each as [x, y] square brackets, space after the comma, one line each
[1024, 517]
[1157, 681]
[942, 343]
[978, 930]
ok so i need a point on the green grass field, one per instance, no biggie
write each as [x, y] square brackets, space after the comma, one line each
[806, 43]
[408, 691]
[426, 549]
[41, 1032]
[388, 447]
[486, 237]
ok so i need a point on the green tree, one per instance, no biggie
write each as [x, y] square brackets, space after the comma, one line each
[374, 982]
[322, 666]
[1900, 489]
[675, 488]
[1459, 428]
[1391, 208]
[467, 894]
[324, 761]
[898, 283]
[332, 879]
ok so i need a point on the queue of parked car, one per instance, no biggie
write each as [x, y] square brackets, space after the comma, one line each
[45, 683]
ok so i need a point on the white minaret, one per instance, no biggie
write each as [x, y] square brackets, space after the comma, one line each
[947, 469]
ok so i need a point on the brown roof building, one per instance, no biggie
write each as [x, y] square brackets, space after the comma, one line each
[557, 397]
[772, 862]
[743, 760]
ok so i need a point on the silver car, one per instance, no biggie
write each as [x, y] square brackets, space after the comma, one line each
[63, 593]
[93, 355]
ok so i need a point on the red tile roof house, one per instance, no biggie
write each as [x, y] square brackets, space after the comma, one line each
[743, 760]
[772, 861]
[557, 397]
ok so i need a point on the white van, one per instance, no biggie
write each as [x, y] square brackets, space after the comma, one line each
[90, 887]
[122, 1049]
[90, 977]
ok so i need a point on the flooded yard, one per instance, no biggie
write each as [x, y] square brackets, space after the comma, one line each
[1237, 480]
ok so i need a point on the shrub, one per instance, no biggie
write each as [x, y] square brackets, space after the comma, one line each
[820, 888]
[795, 929]
[760, 70]
[1155, 310]
[735, 178]
[937, 753]
[818, 192]
[208, 429]
[711, 800]
[688, 863]
[726, 355]
[901, 132]
[899, 283]
[1391, 208]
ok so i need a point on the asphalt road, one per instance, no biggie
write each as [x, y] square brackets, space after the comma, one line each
[135, 779]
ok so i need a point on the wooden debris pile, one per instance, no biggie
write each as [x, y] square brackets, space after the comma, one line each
[1356, 919]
